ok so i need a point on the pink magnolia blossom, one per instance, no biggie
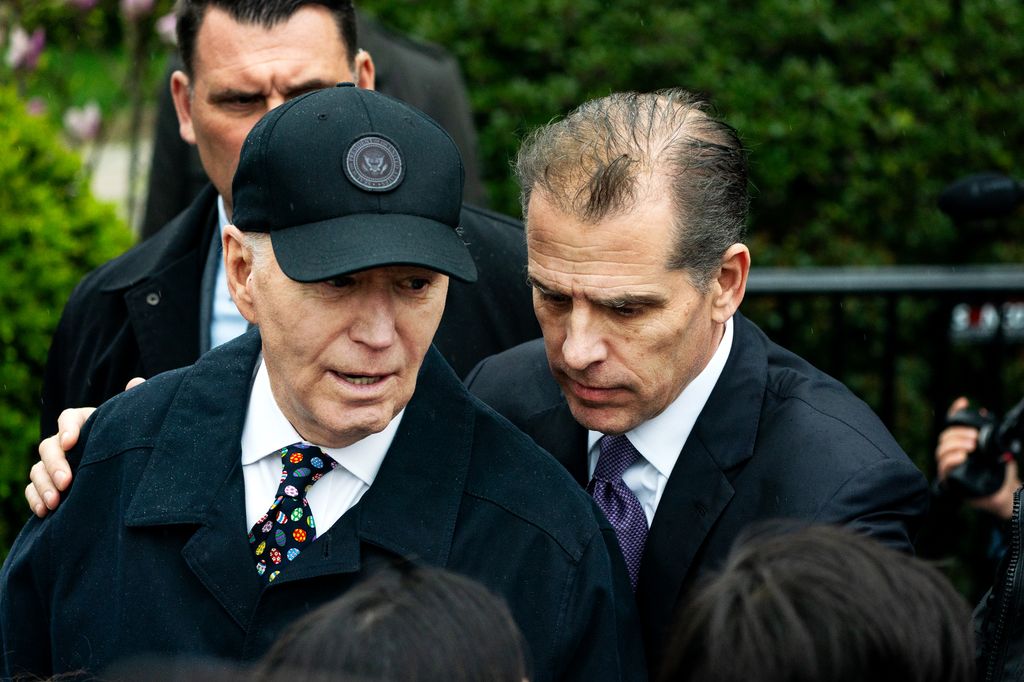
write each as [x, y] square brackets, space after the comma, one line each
[36, 106]
[167, 28]
[133, 10]
[24, 50]
[83, 123]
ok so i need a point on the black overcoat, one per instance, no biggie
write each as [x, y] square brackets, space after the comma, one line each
[148, 552]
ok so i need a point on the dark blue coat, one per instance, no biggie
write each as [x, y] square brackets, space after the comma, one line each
[777, 438]
[148, 553]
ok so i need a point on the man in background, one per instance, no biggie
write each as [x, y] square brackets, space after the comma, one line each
[423, 75]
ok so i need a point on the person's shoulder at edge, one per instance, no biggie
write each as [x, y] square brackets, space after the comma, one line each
[131, 420]
[515, 381]
[134, 418]
[510, 470]
[798, 388]
[138, 262]
[874, 485]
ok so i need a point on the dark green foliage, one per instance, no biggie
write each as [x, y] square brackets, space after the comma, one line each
[856, 114]
[51, 233]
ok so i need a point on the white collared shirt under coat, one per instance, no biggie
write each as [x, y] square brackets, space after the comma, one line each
[660, 440]
[267, 430]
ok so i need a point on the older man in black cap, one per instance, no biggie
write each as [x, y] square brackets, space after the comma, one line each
[216, 503]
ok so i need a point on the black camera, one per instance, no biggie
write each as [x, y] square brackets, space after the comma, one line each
[998, 441]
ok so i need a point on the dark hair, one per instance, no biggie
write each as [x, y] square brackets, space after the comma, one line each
[822, 603]
[265, 13]
[591, 162]
[408, 624]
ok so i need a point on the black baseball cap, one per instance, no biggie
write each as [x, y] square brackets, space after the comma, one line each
[346, 179]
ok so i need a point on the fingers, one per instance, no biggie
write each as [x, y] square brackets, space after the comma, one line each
[1001, 502]
[955, 443]
[1012, 476]
[960, 403]
[133, 382]
[35, 503]
[51, 475]
[41, 494]
[54, 457]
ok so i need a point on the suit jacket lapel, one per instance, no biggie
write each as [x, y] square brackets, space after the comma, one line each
[699, 489]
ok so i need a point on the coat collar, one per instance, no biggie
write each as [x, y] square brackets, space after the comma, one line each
[194, 477]
[199, 441]
[729, 421]
[412, 507]
[190, 230]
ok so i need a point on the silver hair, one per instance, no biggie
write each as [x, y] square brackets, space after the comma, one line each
[258, 244]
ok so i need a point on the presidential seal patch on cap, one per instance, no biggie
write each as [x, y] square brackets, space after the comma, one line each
[374, 164]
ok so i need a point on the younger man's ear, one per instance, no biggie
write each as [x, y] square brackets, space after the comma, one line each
[731, 283]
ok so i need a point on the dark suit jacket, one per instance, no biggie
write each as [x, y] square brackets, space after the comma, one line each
[420, 74]
[138, 315]
[148, 553]
[776, 439]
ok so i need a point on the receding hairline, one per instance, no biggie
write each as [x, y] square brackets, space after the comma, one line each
[651, 183]
[566, 178]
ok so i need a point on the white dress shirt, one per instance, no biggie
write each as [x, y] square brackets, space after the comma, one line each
[661, 439]
[267, 431]
[225, 321]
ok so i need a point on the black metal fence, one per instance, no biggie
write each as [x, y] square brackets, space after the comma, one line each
[906, 338]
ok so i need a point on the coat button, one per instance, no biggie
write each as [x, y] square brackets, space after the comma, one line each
[153, 298]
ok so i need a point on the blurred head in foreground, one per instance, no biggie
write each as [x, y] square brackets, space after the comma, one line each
[408, 624]
[822, 603]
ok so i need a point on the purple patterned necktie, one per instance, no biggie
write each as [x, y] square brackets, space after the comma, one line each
[618, 502]
[288, 528]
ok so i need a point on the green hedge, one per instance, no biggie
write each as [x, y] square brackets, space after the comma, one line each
[51, 233]
[857, 114]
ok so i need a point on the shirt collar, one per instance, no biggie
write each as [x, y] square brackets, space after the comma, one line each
[267, 430]
[222, 215]
[661, 439]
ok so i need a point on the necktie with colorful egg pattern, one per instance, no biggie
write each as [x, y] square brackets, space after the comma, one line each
[287, 529]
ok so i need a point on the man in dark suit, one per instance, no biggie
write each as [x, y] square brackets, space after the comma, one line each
[635, 206]
[420, 74]
[336, 409]
[165, 302]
